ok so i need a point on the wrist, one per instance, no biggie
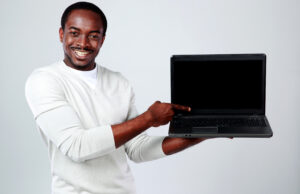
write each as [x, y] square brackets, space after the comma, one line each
[148, 118]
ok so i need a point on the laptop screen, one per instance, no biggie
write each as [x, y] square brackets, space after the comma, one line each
[219, 83]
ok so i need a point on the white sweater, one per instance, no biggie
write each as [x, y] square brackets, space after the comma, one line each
[75, 118]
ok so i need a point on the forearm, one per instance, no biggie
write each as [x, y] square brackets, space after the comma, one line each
[126, 131]
[157, 114]
[174, 145]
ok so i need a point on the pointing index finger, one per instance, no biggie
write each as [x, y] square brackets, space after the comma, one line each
[181, 107]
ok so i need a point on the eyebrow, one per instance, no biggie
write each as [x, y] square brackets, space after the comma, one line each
[74, 28]
[94, 31]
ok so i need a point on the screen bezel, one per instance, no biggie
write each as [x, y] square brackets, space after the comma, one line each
[216, 57]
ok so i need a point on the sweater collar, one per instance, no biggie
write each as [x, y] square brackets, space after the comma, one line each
[91, 74]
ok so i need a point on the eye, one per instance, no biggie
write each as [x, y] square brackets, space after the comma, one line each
[73, 33]
[94, 36]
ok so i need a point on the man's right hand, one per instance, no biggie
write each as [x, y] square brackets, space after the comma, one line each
[161, 113]
[156, 115]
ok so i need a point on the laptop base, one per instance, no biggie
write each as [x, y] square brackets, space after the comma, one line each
[266, 134]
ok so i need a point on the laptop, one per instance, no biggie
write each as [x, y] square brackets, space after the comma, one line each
[226, 93]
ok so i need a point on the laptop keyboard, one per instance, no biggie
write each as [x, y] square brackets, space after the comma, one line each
[219, 122]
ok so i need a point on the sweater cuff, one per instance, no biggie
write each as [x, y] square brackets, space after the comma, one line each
[102, 137]
[153, 150]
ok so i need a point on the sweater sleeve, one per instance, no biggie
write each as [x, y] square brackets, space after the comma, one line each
[60, 123]
[143, 147]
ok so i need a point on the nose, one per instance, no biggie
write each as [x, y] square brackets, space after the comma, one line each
[83, 41]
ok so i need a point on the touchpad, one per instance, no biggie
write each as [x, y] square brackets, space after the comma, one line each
[205, 130]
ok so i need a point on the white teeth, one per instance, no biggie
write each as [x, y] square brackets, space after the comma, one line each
[82, 53]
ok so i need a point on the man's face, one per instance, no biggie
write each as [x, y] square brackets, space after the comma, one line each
[82, 39]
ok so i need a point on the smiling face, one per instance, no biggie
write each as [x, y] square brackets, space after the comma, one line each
[82, 39]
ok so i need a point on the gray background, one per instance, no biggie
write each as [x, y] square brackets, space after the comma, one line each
[141, 37]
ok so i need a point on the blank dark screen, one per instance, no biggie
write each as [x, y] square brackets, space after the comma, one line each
[221, 84]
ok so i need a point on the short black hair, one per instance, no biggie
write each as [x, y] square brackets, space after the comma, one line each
[86, 6]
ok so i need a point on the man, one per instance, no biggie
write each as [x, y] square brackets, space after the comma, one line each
[87, 117]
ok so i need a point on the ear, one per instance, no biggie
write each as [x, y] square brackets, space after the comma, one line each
[61, 34]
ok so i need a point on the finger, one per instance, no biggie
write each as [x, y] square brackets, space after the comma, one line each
[180, 107]
[169, 118]
[171, 113]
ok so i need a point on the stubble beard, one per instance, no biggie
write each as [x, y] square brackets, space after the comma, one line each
[79, 67]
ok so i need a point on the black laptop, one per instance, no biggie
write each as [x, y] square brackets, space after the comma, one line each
[226, 93]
